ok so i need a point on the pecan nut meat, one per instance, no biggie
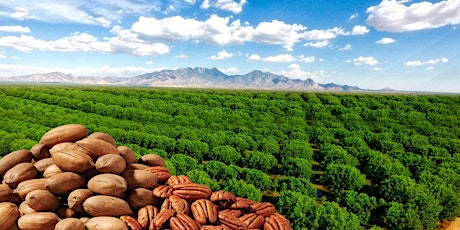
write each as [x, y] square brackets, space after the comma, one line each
[176, 203]
[163, 191]
[230, 221]
[192, 192]
[223, 199]
[161, 172]
[235, 212]
[242, 203]
[162, 218]
[277, 222]
[181, 179]
[184, 222]
[264, 209]
[253, 220]
[204, 211]
[131, 222]
[146, 214]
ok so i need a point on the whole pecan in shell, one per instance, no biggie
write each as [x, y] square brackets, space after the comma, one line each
[253, 220]
[231, 221]
[184, 222]
[277, 222]
[163, 191]
[204, 211]
[161, 172]
[192, 192]
[181, 179]
[176, 203]
[131, 222]
[264, 209]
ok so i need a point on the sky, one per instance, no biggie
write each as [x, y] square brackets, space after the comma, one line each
[373, 44]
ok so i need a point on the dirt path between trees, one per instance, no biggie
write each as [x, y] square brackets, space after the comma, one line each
[451, 225]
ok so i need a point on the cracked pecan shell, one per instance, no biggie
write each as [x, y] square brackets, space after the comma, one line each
[146, 214]
[192, 192]
[253, 220]
[162, 217]
[264, 209]
[176, 203]
[181, 179]
[184, 222]
[131, 222]
[161, 172]
[163, 191]
[231, 221]
[277, 222]
[204, 211]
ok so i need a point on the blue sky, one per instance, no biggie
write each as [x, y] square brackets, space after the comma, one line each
[402, 44]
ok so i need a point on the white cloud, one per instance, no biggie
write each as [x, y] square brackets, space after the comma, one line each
[428, 62]
[371, 61]
[254, 57]
[323, 34]
[395, 16]
[20, 13]
[231, 70]
[318, 44]
[296, 72]
[353, 16]
[385, 41]
[15, 29]
[221, 55]
[190, 1]
[346, 48]
[359, 30]
[280, 58]
[277, 32]
[227, 5]
[181, 56]
[308, 59]
[149, 62]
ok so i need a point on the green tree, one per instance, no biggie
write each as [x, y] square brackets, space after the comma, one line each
[297, 167]
[259, 160]
[333, 217]
[183, 163]
[242, 189]
[358, 203]
[201, 177]
[343, 177]
[299, 209]
[225, 154]
[297, 148]
[301, 185]
[220, 171]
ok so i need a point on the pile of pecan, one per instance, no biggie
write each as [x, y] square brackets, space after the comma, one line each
[187, 205]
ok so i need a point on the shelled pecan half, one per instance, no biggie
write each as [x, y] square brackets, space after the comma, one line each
[204, 211]
[131, 222]
[163, 191]
[253, 220]
[146, 214]
[161, 172]
[176, 203]
[277, 222]
[223, 199]
[184, 222]
[264, 209]
[162, 218]
[231, 221]
[192, 192]
[181, 179]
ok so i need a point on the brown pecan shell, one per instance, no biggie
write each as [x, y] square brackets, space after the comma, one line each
[163, 191]
[277, 222]
[253, 220]
[192, 192]
[181, 179]
[264, 209]
[183, 222]
[161, 172]
[131, 222]
[204, 211]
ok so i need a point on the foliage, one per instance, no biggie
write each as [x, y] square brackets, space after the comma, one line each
[343, 177]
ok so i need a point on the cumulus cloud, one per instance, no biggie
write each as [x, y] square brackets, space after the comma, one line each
[359, 30]
[254, 57]
[15, 29]
[353, 16]
[231, 70]
[221, 55]
[308, 59]
[318, 44]
[385, 41]
[428, 62]
[371, 61]
[181, 56]
[396, 16]
[124, 42]
[282, 58]
[227, 5]
[296, 72]
[346, 48]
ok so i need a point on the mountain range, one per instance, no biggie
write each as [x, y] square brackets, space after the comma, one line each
[188, 77]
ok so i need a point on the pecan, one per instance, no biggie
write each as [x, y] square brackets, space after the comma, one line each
[277, 222]
[162, 217]
[212, 227]
[145, 215]
[231, 221]
[223, 199]
[253, 220]
[204, 211]
[161, 172]
[192, 192]
[181, 179]
[131, 222]
[264, 209]
[176, 203]
[242, 203]
[235, 212]
[183, 222]
[163, 191]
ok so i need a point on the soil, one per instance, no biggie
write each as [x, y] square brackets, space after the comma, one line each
[451, 225]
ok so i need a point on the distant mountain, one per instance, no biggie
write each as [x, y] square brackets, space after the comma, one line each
[188, 77]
